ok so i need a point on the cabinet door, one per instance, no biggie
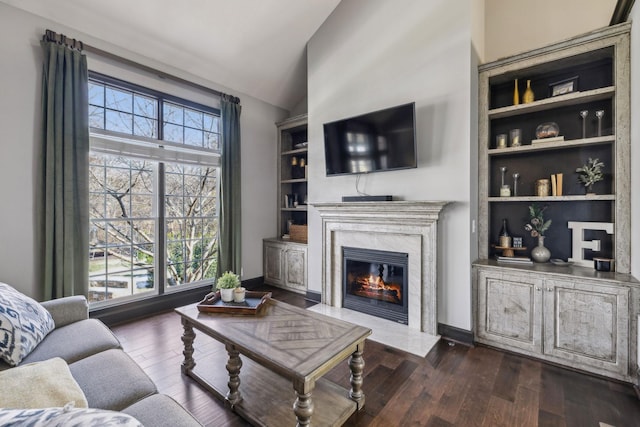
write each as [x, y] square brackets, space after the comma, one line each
[587, 324]
[295, 266]
[273, 264]
[509, 310]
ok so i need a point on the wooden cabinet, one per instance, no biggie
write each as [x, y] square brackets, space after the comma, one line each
[285, 264]
[580, 318]
[509, 310]
[587, 324]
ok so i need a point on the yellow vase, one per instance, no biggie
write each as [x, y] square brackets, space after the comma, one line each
[528, 97]
[516, 94]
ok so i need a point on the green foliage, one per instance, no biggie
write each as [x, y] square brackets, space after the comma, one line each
[537, 225]
[591, 172]
[228, 280]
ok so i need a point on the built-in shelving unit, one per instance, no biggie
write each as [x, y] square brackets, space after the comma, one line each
[285, 256]
[571, 315]
[602, 74]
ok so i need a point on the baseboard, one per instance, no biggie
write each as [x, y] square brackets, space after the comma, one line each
[455, 334]
[314, 296]
[138, 309]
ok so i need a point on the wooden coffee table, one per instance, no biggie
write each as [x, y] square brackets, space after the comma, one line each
[288, 350]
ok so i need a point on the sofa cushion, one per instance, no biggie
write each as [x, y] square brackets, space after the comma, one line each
[160, 410]
[64, 417]
[111, 380]
[75, 341]
[23, 324]
[40, 385]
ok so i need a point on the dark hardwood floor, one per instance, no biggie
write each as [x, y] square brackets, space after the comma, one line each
[454, 385]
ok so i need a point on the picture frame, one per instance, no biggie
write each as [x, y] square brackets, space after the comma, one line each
[564, 87]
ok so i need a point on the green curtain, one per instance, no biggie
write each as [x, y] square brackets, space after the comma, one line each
[230, 248]
[63, 194]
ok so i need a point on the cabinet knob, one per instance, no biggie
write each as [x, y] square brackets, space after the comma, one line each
[550, 289]
[538, 288]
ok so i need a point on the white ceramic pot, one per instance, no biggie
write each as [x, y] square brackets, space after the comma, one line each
[226, 295]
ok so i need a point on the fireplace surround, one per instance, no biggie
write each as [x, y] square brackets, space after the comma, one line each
[409, 227]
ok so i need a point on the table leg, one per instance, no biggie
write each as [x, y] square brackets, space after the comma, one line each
[356, 363]
[187, 338]
[303, 408]
[233, 367]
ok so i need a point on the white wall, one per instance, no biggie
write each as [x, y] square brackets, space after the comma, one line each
[19, 138]
[635, 140]
[514, 26]
[375, 54]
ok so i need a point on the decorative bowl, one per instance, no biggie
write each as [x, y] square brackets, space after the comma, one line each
[547, 130]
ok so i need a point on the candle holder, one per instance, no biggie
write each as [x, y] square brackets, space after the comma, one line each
[515, 183]
[599, 115]
[505, 190]
[583, 114]
[515, 137]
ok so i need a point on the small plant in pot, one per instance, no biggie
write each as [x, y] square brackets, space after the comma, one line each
[590, 173]
[226, 284]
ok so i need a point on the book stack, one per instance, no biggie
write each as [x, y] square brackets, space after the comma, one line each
[556, 184]
[514, 259]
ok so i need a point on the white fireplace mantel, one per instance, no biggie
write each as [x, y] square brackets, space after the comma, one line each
[400, 226]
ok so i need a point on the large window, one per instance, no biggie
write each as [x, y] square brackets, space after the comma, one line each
[153, 192]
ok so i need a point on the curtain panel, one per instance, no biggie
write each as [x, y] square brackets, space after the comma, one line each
[230, 249]
[63, 194]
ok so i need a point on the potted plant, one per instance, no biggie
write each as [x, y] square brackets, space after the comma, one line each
[590, 173]
[226, 284]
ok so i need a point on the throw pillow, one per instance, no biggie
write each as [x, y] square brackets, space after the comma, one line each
[64, 417]
[40, 385]
[23, 324]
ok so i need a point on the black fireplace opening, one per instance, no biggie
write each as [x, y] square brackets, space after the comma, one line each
[375, 282]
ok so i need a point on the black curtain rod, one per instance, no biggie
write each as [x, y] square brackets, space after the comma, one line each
[76, 44]
[621, 11]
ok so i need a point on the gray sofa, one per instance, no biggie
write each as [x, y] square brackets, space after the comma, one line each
[109, 378]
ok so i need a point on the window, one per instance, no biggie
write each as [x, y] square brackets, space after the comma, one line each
[153, 192]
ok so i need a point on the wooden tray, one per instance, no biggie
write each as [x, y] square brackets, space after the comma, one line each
[251, 305]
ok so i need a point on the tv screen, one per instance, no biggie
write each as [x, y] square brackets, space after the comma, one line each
[379, 141]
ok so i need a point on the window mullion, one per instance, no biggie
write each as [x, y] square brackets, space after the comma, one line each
[161, 241]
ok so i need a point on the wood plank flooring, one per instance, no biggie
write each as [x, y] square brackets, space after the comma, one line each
[454, 385]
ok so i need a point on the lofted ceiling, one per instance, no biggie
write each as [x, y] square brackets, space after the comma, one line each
[255, 47]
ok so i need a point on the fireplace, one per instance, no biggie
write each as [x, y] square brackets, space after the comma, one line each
[402, 226]
[375, 282]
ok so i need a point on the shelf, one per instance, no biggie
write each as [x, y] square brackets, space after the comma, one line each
[293, 181]
[575, 198]
[556, 145]
[296, 151]
[555, 102]
[299, 208]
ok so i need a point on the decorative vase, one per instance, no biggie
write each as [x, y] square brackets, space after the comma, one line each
[516, 94]
[226, 294]
[528, 97]
[540, 253]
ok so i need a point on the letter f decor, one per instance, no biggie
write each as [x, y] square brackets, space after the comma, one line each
[578, 244]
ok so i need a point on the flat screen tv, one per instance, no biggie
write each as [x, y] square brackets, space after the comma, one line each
[379, 141]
